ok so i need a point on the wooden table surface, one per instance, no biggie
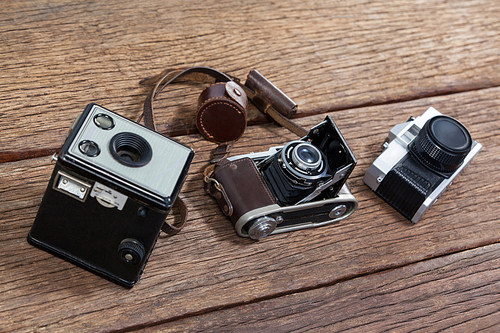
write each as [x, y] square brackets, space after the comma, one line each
[368, 64]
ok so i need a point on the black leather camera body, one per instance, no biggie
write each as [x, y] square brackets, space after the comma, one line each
[112, 187]
[299, 185]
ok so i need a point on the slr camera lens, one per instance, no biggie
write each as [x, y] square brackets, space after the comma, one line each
[442, 144]
[130, 149]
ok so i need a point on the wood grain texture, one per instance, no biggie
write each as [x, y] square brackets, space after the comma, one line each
[208, 267]
[368, 64]
[456, 293]
[57, 57]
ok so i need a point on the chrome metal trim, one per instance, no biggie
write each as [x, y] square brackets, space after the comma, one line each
[345, 196]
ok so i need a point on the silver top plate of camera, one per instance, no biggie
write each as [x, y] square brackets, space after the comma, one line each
[159, 175]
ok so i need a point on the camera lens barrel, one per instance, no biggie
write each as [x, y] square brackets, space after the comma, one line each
[306, 157]
[442, 144]
[303, 162]
[130, 149]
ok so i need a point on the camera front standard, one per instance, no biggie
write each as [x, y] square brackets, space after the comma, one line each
[420, 160]
[112, 187]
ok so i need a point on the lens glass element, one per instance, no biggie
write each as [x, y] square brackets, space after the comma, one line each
[104, 121]
[306, 156]
[89, 148]
[450, 134]
[130, 149]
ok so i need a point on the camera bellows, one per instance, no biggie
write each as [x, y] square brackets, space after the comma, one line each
[130, 149]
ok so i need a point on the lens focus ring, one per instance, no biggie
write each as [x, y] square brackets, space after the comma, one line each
[306, 157]
[442, 144]
[303, 162]
[130, 149]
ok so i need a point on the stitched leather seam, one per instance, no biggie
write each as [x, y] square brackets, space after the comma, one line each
[206, 106]
[222, 98]
[209, 99]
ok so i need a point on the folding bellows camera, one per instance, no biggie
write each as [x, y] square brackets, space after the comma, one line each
[299, 185]
[112, 187]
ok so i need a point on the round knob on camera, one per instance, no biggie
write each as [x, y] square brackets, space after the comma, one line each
[131, 251]
[442, 144]
[262, 227]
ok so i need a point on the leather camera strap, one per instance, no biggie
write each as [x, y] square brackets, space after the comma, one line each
[270, 100]
[181, 207]
[196, 74]
[265, 96]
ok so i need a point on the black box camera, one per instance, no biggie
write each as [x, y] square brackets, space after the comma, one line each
[112, 187]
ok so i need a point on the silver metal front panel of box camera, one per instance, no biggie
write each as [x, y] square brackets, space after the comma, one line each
[160, 175]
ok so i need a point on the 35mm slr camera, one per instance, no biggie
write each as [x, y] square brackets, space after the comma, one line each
[420, 160]
[299, 185]
[112, 187]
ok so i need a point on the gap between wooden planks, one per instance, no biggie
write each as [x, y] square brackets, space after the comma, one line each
[456, 292]
[57, 58]
[207, 266]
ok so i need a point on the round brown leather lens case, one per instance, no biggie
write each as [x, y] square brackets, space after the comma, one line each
[222, 112]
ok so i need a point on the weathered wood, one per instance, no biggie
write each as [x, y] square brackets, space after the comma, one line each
[208, 267]
[57, 57]
[334, 58]
[458, 292]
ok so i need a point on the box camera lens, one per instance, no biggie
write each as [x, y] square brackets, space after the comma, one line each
[130, 149]
[113, 185]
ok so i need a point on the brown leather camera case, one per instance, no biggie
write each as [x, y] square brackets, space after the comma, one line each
[239, 180]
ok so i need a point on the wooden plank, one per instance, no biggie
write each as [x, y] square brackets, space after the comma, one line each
[207, 266]
[57, 57]
[459, 293]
